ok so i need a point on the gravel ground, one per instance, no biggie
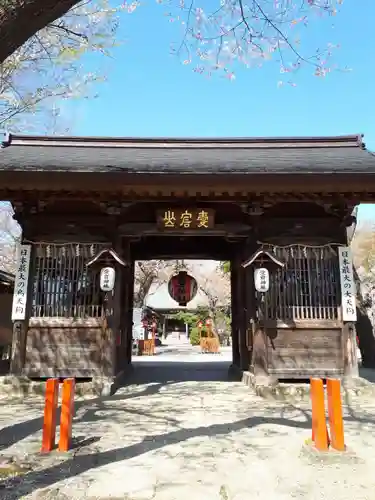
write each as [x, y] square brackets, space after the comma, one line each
[182, 431]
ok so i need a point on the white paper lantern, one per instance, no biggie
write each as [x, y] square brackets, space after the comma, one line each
[262, 280]
[107, 279]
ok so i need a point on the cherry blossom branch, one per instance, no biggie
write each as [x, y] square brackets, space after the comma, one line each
[68, 31]
[249, 31]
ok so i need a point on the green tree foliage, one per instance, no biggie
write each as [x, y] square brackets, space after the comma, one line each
[191, 318]
[195, 335]
[225, 266]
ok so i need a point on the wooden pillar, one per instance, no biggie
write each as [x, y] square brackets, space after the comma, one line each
[19, 339]
[350, 351]
[108, 348]
[234, 308]
[242, 295]
[258, 351]
[260, 355]
[117, 327]
[259, 362]
[129, 311]
[250, 311]
[112, 343]
[122, 343]
[121, 346]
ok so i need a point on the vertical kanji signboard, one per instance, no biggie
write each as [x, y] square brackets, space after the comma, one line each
[21, 283]
[348, 289]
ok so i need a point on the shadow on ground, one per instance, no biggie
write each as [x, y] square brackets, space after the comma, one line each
[180, 371]
[154, 376]
[73, 466]
[367, 373]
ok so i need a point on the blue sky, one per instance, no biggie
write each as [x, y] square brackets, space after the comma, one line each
[151, 93]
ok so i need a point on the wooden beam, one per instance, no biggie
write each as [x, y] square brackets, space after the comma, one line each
[270, 194]
[151, 229]
[79, 219]
[146, 185]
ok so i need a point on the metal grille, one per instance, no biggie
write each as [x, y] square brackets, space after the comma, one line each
[62, 285]
[308, 287]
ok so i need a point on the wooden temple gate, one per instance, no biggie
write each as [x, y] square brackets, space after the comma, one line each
[76, 198]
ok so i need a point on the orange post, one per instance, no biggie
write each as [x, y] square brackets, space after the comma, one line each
[67, 411]
[335, 418]
[319, 425]
[50, 413]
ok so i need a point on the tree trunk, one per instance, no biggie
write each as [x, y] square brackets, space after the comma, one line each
[364, 329]
[21, 19]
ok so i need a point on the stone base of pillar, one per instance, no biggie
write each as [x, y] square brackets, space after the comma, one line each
[14, 387]
[235, 372]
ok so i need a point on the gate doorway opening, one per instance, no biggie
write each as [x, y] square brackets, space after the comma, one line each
[182, 342]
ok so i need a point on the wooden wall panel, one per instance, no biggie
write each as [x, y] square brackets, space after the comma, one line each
[63, 352]
[305, 350]
[6, 327]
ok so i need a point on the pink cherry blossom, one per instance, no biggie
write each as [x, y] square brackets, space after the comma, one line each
[252, 32]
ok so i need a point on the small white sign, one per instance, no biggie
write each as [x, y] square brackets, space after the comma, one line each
[107, 279]
[262, 280]
[348, 289]
[20, 283]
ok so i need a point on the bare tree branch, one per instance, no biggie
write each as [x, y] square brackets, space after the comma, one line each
[216, 287]
[20, 20]
[61, 26]
[151, 272]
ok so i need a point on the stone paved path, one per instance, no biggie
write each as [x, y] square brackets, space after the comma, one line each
[183, 431]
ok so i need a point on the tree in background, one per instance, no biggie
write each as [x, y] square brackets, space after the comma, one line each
[47, 69]
[363, 248]
[146, 274]
[10, 234]
[153, 272]
[249, 32]
[216, 288]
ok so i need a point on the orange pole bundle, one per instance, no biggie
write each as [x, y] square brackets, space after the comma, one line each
[67, 411]
[319, 425]
[335, 417]
[50, 414]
